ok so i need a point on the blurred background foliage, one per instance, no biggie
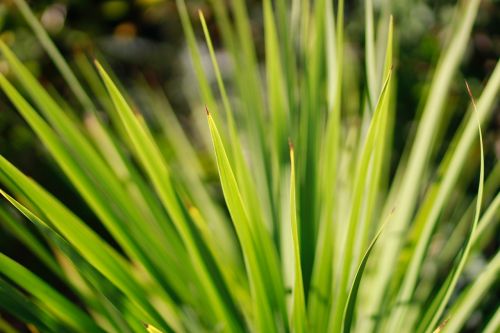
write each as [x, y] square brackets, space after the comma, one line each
[142, 41]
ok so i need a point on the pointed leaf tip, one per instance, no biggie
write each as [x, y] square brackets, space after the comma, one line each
[441, 326]
[467, 86]
[206, 110]
[151, 328]
[470, 95]
[98, 65]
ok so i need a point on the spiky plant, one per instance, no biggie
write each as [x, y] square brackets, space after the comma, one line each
[316, 232]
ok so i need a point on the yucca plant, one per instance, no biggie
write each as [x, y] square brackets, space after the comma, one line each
[315, 229]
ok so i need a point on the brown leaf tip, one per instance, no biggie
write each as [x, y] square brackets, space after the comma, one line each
[206, 110]
[468, 88]
[470, 94]
[290, 144]
[441, 326]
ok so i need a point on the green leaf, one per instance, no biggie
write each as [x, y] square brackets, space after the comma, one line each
[493, 324]
[55, 302]
[29, 239]
[91, 247]
[261, 306]
[27, 310]
[353, 293]
[421, 147]
[449, 170]
[439, 303]
[151, 159]
[374, 134]
[55, 55]
[299, 318]
[469, 299]
[96, 194]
